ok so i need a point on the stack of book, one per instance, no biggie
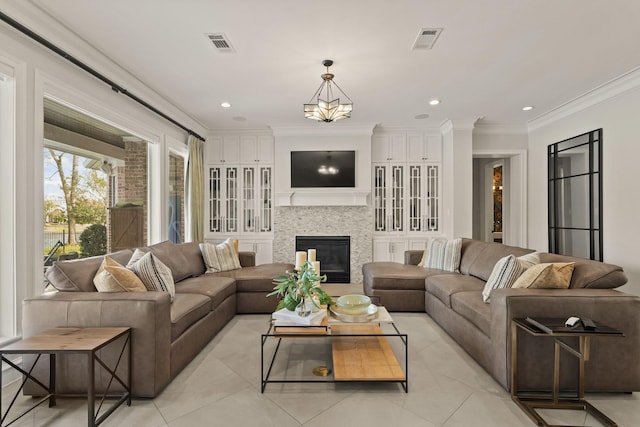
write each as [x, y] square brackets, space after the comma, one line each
[286, 317]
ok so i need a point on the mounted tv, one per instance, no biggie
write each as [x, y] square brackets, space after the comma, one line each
[319, 169]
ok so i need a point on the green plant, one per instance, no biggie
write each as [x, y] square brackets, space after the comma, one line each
[93, 240]
[298, 284]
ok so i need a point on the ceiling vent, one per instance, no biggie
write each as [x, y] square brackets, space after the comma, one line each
[427, 38]
[220, 42]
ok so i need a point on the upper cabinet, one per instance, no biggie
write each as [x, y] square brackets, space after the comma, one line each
[424, 148]
[389, 148]
[223, 149]
[256, 149]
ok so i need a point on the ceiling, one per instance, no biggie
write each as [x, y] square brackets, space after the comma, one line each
[493, 56]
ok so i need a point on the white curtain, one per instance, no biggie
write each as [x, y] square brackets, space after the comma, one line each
[195, 190]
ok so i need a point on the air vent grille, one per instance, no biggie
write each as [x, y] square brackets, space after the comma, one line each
[220, 42]
[427, 38]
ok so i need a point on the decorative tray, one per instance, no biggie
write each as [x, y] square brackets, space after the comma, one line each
[349, 316]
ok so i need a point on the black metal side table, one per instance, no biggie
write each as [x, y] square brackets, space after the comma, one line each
[555, 328]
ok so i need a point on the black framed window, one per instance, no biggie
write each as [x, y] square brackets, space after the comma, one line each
[575, 196]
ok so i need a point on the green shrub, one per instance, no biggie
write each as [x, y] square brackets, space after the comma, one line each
[93, 241]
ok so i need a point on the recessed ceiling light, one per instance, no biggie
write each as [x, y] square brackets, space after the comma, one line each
[527, 108]
[434, 102]
[225, 105]
[421, 116]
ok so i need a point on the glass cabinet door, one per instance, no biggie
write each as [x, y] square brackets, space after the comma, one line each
[215, 199]
[223, 199]
[389, 197]
[249, 217]
[424, 197]
[265, 207]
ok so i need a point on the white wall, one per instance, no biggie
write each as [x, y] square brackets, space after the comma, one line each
[618, 117]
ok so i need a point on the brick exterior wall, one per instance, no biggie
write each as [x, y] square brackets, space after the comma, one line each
[176, 190]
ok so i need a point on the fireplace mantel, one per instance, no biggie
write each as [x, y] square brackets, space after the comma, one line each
[323, 198]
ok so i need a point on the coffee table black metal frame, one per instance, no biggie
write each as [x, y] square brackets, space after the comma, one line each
[529, 403]
[323, 332]
[94, 417]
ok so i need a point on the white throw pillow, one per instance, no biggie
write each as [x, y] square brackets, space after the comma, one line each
[443, 254]
[222, 257]
[504, 274]
[155, 275]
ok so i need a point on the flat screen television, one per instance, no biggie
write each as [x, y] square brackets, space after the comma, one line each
[318, 169]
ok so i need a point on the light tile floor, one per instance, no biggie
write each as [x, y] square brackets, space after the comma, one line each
[221, 387]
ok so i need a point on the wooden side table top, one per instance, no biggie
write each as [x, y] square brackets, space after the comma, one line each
[65, 340]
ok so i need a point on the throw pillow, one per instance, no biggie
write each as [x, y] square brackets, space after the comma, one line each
[504, 274]
[443, 254]
[529, 260]
[222, 257]
[547, 275]
[113, 277]
[154, 274]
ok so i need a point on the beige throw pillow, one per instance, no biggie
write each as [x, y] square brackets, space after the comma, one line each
[222, 257]
[547, 275]
[113, 277]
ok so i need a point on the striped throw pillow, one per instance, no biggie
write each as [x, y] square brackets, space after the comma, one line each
[155, 275]
[443, 254]
[222, 257]
[504, 274]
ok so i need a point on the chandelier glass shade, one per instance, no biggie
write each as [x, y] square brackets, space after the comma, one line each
[330, 108]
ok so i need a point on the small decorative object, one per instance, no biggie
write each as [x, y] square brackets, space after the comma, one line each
[300, 290]
[354, 303]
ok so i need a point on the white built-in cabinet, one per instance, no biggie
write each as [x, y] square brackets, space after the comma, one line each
[406, 193]
[239, 185]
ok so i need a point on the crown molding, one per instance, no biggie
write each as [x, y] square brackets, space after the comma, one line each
[621, 84]
[450, 125]
[497, 128]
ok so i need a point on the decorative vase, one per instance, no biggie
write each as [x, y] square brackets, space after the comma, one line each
[304, 307]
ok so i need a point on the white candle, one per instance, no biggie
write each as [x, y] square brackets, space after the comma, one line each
[311, 255]
[316, 267]
[301, 258]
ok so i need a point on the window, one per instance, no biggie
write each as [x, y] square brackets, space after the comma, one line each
[575, 196]
[8, 325]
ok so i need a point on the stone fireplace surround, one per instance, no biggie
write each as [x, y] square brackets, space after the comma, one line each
[354, 221]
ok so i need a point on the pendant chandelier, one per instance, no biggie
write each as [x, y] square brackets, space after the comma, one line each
[328, 109]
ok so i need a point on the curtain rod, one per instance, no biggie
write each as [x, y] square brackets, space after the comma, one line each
[114, 86]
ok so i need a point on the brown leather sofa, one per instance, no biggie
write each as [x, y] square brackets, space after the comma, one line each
[166, 335]
[454, 301]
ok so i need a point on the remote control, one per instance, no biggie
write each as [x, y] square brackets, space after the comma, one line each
[588, 324]
[571, 321]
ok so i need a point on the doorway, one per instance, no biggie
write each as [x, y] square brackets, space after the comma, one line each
[499, 197]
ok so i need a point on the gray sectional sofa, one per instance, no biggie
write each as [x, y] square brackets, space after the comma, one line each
[166, 335]
[454, 301]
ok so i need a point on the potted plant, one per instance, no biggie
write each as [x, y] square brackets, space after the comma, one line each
[300, 290]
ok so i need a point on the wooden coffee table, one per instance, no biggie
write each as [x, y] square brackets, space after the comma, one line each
[359, 351]
[58, 341]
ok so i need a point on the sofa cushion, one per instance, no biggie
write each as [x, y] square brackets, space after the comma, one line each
[195, 264]
[478, 258]
[443, 286]
[470, 306]
[393, 275]
[77, 275]
[186, 310]
[255, 279]
[216, 288]
[590, 274]
[174, 258]
[154, 274]
[221, 257]
[114, 277]
[443, 254]
[546, 275]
